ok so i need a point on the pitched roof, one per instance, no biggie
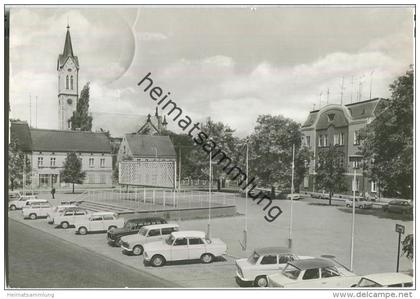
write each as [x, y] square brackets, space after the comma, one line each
[69, 141]
[150, 146]
[19, 130]
[67, 51]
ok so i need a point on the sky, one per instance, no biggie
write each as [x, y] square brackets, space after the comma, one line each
[228, 63]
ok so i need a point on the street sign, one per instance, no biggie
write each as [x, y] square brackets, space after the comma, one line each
[399, 228]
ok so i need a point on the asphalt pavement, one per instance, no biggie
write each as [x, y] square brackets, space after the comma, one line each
[40, 260]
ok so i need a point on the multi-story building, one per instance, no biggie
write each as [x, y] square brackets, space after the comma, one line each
[48, 149]
[340, 125]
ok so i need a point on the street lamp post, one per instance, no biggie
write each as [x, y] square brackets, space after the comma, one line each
[355, 159]
[291, 198]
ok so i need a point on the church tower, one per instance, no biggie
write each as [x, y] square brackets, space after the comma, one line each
[68, 84]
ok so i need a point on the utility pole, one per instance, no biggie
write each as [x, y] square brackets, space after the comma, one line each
[30, 110]
[320, 96]
[179, 174]
[371, 78]
[328, 95]
[291, 198]
[210, 181]
[36, 111]
[342, 90]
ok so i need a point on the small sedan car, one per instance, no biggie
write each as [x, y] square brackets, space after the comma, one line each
[399, 206]
[21, 202]
[69, 216]
[36, 210]
[134, 244]
[262, 262]
[100, 221]
[57, 211]
[312, 273]
[184, 245]
[359, 203]
[294, 196]
[385, 280]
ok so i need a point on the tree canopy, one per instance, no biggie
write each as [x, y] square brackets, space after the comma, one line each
[81, 118]
[17, 166]
[72, 172]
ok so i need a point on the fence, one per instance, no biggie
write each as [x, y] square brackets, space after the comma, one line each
[151, 199]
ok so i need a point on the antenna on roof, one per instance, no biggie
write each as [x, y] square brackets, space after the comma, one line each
[30, 110]
[36, 111]
[320, 95]
[342, 90]
[313, 109]
[328, 95]
[371, 78]
[359, 98]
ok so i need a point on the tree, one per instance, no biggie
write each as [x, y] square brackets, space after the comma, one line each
[17, 164]
[271, 151]
[81, 118]
[388, 140]
[330, 171]
[72, 172]
[407, 246]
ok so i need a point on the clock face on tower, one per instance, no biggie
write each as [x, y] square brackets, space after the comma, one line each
[69, 101]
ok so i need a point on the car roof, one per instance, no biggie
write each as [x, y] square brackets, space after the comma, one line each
[272, 250]
[389, 278]
[144, 219]
[158, 226]
[312, 263]
[399, 200]
[37, 200]
[189, 233]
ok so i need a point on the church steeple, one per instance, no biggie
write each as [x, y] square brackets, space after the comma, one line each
[68, 49]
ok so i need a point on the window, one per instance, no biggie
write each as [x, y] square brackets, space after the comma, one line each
[102, 162]
[102, 179]
[71, 82]
[69, 213]
[96, 218]
[356, 138]
[91, 162]
[52, 162]
[331, 117]
[67, 82]
[180, 242]
[323, 140]
[283, 259]
[108, 217]
[79, 213]
[40, 161]
[195, 241]
[373, 186]
[329, 272]
[269, 260]
[311, 274]
[43, 179]
[154, 232]
[308, 141]
[356, 164]
[167, 231]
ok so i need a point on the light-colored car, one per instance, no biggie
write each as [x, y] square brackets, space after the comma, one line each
[69, 216]
[23, 201]
[183, 245]
[135, 243]
[99, 221]
[294, 196]
[385, 280]
[312, 273]
[261, 263]
[36, 210]
[359, 203]
[56, 211]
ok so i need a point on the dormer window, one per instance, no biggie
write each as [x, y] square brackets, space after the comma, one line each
[331, 117]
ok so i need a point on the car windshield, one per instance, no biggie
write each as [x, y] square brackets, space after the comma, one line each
[291, 272]
[143, 231]
[253, 258]
[367, 283]
[170, 240]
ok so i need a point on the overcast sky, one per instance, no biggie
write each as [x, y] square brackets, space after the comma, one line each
[229, 63]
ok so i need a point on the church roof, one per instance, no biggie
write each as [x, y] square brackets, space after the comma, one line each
[147, 146]
[67, 52]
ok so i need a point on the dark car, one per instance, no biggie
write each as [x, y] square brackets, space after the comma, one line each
[131, 227]
[399, 206]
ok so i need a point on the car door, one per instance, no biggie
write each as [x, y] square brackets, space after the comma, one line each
[179, 249]
[78, 214]
[96, 223]
[330, 277]
[153, 235]
[268, 264]
[196, 248]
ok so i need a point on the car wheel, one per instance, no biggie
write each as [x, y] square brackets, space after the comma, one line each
[261, 282]
[207, 258]
[138, 250]
[347, 205]
[32, 216]
[64, 224]
[158, 261]
[83, 230]
[12, 207]
[362, 207]
[112, 227]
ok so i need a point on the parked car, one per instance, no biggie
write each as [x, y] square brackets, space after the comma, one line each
[36, 210]
[399, 206]
[385, 280]
[294, 196]
[14, 194]
[320, 195]
[183, 245]
[262, 262]
[56, 211]
[131, 227]
[134, 244]
[99, 221]
[359, 203]
[22, 202]
[69, 216]
[312, 273]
